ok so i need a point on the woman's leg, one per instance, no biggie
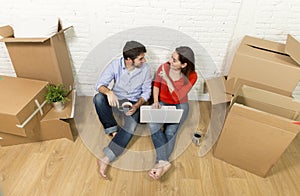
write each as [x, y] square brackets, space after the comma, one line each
[159, 141]
[171, 129]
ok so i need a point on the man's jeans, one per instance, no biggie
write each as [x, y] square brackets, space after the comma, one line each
[164, 141]
[124, 135]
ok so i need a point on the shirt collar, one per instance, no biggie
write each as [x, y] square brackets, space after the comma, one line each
[123, 63]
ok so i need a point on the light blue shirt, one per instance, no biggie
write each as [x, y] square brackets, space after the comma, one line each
[130, 85]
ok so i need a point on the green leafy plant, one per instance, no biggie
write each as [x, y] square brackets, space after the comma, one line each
[56, 93]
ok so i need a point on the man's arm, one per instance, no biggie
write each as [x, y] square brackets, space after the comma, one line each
[111, 97]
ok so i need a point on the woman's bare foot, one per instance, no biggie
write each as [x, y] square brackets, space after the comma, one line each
[102, 163]
[159, 169]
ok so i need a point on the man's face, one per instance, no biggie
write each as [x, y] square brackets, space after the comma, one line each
[139, 60]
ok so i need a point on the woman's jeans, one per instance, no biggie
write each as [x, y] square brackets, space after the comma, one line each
[164, 141]
[125, 133]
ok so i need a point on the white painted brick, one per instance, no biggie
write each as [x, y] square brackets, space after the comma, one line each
[213, 24]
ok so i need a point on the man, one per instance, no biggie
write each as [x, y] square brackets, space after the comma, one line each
[132, 82]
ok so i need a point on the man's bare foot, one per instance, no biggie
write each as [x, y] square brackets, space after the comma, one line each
[102, 163]
[113, 134]
[159, 169]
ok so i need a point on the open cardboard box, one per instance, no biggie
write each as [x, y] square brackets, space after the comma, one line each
[258, 129]
[272, 66]
[42, 59]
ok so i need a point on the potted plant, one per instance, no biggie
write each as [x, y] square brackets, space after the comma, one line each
[57, 95]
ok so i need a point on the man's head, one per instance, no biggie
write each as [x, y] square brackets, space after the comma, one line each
[135, 52]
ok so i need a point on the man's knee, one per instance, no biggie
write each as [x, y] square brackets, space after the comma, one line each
[99, 98]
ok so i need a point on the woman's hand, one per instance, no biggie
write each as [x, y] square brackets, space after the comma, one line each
[163, 74]
[156, 105]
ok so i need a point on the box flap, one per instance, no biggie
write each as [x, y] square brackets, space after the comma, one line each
[6, 31]
[216, 90]
[12, 88]
[292, 48]
[11, 39]
[264, 44]
[258, 116]
[267, 101]
[68, 111]
[8, 34]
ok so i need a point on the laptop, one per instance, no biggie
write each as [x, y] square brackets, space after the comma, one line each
[166, 114]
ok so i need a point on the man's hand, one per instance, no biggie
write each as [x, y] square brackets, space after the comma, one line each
[112, 99]
[163, 74]
[132, 110]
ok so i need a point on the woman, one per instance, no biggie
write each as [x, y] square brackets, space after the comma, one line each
[173, 81]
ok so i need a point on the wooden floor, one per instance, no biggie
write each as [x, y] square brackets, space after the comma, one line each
[62, 167]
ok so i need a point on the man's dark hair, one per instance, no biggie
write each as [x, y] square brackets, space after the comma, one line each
[133, 49]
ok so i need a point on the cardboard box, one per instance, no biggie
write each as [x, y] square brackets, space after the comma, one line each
[272, 66]
[54, 125]
[61, 123]
[217, 91]
[22, 105]
[258, 129]
[44, 59]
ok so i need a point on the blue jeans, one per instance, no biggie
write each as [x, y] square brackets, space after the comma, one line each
[105, 113]
[164, 141]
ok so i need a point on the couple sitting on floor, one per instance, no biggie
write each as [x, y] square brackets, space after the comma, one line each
[133, 82]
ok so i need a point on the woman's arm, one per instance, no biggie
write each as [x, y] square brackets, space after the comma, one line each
[156, 104]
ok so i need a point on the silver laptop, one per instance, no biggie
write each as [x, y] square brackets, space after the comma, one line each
[166, 114]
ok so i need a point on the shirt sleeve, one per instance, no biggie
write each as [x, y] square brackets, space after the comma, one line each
[146, 87]
[106, 77]
[178, 94]
[158, 79]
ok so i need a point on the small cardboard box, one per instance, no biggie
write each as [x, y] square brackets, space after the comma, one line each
[258, 129]
[54, 125]
[22, 105]
[272, 66]
[44, 59]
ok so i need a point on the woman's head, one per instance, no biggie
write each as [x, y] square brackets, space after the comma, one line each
[186, 57]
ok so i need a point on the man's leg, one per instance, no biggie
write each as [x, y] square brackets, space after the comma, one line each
[119, 143]
[105, 113]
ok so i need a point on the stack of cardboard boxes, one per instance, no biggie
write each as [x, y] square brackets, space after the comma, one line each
[260, 124]
[24, 114]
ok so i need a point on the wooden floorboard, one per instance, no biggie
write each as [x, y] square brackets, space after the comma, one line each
[63, 167]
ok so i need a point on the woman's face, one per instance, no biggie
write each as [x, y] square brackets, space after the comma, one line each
[175, 63]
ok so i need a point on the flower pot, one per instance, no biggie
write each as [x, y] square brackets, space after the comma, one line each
[58, 106]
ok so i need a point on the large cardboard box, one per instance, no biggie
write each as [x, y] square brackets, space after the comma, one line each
[270, 65]
[54, 125]
[258, 129]
[22, 105]
[44, 59]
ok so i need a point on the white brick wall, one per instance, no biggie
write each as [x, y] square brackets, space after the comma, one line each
[216, 26]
